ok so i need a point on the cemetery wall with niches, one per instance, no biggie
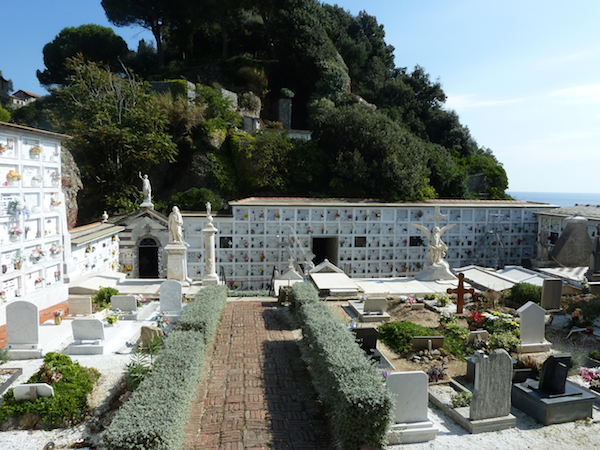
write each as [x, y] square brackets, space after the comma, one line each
[32, 218]
[367, 241]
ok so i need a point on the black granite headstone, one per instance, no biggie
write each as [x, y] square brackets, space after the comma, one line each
[553, 376]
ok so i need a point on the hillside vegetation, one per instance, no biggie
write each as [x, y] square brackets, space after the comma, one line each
[378, 130]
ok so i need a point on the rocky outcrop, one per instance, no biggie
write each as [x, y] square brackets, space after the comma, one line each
[71, 185]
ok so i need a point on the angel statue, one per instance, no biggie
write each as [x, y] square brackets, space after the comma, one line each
[437, 247]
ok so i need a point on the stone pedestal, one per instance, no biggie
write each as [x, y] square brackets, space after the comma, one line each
[148, 205]
[433, 272]
[176, 263]
[210, 276]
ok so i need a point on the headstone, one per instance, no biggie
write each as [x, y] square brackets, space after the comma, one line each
[477, 335]
[375, 305]
[551, 293]
[532, 328]
[410, 410]
[553, 375]
[23, 330]
[123, 303]
[493, 382]
[170, 297]
[427, 342]
[32, 391]
[80, 306]
[366, 338]
[88, 335]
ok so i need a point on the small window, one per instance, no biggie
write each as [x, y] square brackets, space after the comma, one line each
[360, 241]
[225, 242]
[416, 241]
[553, 238]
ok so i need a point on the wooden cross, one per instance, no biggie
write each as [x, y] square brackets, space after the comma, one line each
[460, 292]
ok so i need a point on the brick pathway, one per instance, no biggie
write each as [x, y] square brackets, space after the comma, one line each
[256, 392]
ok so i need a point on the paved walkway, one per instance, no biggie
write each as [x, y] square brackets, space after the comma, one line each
[256, 392]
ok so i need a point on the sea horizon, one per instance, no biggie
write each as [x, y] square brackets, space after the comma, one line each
[557, 198]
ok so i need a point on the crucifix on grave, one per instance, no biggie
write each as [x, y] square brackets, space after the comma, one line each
[460, 292]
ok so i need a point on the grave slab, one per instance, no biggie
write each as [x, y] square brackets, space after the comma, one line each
[411, 424]
[551, 293]
[358, 308]
[126, 305]
[89, 337]
[80, 306]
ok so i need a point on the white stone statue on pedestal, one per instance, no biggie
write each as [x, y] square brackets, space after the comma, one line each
[147, 191]
[176, 249]
[175, 226]
[435, 268]
[210, 276]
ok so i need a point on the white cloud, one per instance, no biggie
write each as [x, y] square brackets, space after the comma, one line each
[578, 95]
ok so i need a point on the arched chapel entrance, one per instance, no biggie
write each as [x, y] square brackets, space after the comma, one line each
[148, 258]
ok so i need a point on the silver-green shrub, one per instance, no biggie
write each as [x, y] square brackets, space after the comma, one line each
[156, 414]
[350, 384]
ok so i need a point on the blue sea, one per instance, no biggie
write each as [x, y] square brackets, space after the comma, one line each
[557, 198]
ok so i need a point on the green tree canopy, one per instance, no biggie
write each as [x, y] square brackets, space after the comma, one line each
[94, 42]
[118, 129]
[150, 14]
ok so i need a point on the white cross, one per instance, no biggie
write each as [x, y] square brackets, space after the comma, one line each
[437, 216]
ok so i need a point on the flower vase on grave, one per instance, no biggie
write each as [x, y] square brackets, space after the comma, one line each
[33, 155]
[18, 265]
[57, 320]
[13, 183]
[14, 237]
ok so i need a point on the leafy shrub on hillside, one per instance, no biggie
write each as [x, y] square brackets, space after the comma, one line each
[398, 335]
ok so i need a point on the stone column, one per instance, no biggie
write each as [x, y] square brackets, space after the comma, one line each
[210, 277]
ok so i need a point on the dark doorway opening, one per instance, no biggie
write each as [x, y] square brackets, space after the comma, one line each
[148, 258]
[326, 247]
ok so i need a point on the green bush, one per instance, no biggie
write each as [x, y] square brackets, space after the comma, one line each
[504, 339]
[71, 382]
[156, 413]
[594, 354]
[522, 293]
[361, 407]
[455, 340]
[461, 399]
[398, 335]
[4, 356]
[102, 298]
[590, 310]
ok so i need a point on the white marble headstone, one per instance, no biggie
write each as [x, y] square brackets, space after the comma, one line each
[23, 391]
[376, 305]
[123, 303]
[87, 330]
[410, 394]
[170, 297]
[532, 323]
[22, 325]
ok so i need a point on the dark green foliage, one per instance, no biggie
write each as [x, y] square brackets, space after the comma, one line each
[102, 298]
[590, 309]
[461, 399]
[369, 154]
[594, 354]
[218, 110]
[96, 43]
[522, 293]
[71, 382]
[4, 356]
[156, 413]
[398, 335]
[351, 387]
[137, 369]
[195, 199]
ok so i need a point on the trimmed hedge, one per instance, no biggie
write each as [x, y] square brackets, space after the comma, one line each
[350, 384]
[156, 414]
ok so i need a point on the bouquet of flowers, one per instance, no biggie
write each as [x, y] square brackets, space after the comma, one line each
[13, 175]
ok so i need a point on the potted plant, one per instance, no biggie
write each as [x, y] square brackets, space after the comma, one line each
[2, 148]
[55, 178]
[112, 317]
[37, 254]
[39, 282]
[58, 313]
[17, 261]
[14, 232]
[57, 275]
[13, 177]
[35, 152]
[36, 180]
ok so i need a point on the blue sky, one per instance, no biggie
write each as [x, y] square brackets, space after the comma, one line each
[522, 75]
